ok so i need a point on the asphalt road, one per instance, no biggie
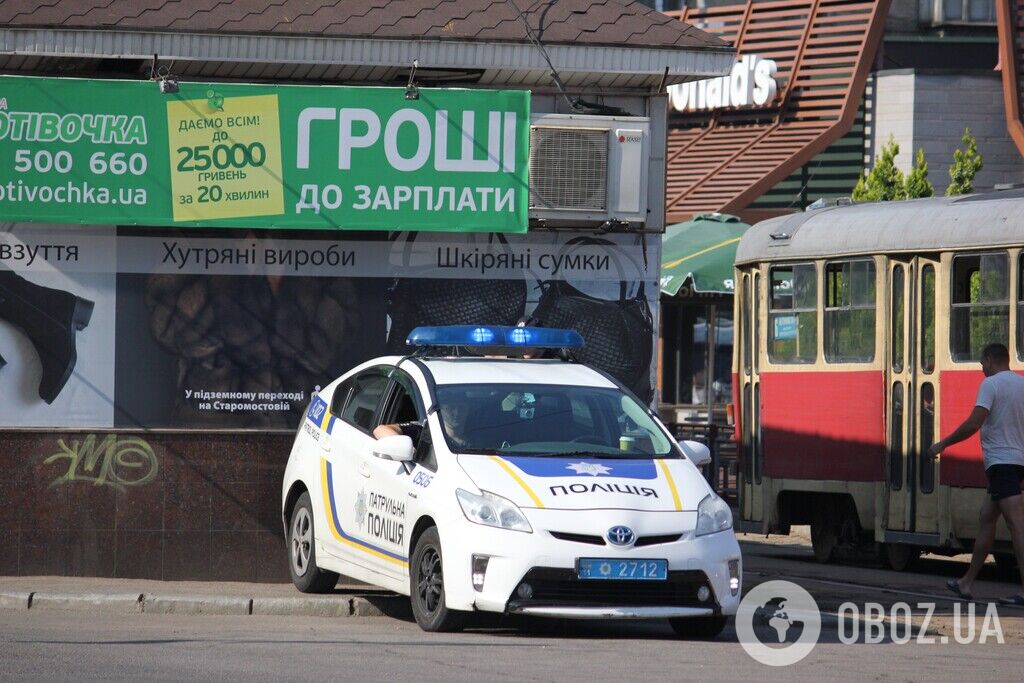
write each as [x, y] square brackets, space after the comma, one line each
[73, 646]
[54, 645]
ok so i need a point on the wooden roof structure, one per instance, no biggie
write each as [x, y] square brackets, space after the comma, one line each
[724, 160]
[1010, 19]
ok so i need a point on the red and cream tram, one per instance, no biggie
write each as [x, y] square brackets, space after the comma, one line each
[860, 330]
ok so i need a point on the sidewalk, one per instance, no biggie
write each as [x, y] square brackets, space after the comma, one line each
[194, 597]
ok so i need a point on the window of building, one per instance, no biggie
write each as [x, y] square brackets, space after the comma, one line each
[850, 311]
[689, 360]
[937, 12]
[980, 305]
[793, 315]
[898, 330]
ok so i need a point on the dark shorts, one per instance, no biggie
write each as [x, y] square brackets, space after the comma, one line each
[1004, 481]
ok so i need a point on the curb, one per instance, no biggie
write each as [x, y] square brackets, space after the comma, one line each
[301, 607]
[15, 600]
[330, 606]
[196, 605]
[92, 602]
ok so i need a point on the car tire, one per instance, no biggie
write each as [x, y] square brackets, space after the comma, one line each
[426, 586]
[306, 576]
[699, 628]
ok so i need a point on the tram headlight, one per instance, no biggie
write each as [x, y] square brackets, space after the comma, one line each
[713, 515]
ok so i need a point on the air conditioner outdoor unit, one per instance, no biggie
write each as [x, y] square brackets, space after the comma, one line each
[589, 168]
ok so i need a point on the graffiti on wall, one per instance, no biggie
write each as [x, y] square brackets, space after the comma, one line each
[117, 461]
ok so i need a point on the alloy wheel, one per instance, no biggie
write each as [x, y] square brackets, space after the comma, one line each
[301, 541]
[430, 582]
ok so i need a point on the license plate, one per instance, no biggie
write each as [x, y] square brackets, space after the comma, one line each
[622, 570]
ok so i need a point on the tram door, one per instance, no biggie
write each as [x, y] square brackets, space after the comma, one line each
[912, 397]
[750, 490]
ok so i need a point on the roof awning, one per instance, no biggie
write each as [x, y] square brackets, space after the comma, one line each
[701, 250]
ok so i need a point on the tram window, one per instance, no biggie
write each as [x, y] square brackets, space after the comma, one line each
[745, 325]
[755, 435]
[928, 319]
[980, 306]
[746, 439]
[927, 422]
[850, 311]
[757, 321]
[898, 330]
[793, 315]
[896, 438]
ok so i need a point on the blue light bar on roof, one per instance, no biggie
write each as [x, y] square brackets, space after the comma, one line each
[495, 335]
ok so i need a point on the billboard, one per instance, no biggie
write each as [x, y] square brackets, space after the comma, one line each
[271, 156]
[140, 328]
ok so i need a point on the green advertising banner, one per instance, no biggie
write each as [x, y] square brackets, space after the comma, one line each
[265, 156]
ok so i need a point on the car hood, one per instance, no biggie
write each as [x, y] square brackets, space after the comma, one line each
[662, 485]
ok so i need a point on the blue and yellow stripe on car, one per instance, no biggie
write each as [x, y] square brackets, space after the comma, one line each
[519, 480]
[319, 413]
[663, 466]
[331, 508]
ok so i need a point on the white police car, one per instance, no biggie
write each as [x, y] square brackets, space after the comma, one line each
[536, 487]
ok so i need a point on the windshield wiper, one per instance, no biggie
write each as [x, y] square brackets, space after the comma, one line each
[575, 454]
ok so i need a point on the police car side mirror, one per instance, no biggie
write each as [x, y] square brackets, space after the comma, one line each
[398, 448]
[697, 452]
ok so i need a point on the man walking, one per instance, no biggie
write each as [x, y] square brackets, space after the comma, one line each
[999, 413]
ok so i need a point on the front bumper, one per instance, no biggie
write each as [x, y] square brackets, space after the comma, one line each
[610, 612]
[550, 563]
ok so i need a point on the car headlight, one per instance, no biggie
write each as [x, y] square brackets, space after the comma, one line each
[491, 510]
[713, 515]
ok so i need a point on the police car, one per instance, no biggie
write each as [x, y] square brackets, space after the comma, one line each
[530, 486]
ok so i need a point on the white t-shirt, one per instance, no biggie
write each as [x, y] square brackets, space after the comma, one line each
[1002, 434]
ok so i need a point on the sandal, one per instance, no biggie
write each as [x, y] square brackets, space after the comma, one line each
[954, 586]
[1015, 600]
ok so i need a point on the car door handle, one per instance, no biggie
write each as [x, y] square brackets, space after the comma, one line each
[364, 468]
[412, 495]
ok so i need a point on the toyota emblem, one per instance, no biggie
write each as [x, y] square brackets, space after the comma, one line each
[621, 535]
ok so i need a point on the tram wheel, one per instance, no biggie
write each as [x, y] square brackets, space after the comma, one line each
[1006, 563]
[824, 537]
[900, 556]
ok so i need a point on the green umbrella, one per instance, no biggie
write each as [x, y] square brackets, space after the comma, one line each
[703, 250]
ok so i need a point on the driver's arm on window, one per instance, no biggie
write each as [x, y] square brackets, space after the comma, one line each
[409, 429]
[382, 431]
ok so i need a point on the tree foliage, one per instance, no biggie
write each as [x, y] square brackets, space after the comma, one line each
[884, 182]
[917, 184]
[966, 164]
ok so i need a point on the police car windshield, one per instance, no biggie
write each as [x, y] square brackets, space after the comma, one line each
[548, 419]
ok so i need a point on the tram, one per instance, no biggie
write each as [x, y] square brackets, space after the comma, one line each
[860, 330]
